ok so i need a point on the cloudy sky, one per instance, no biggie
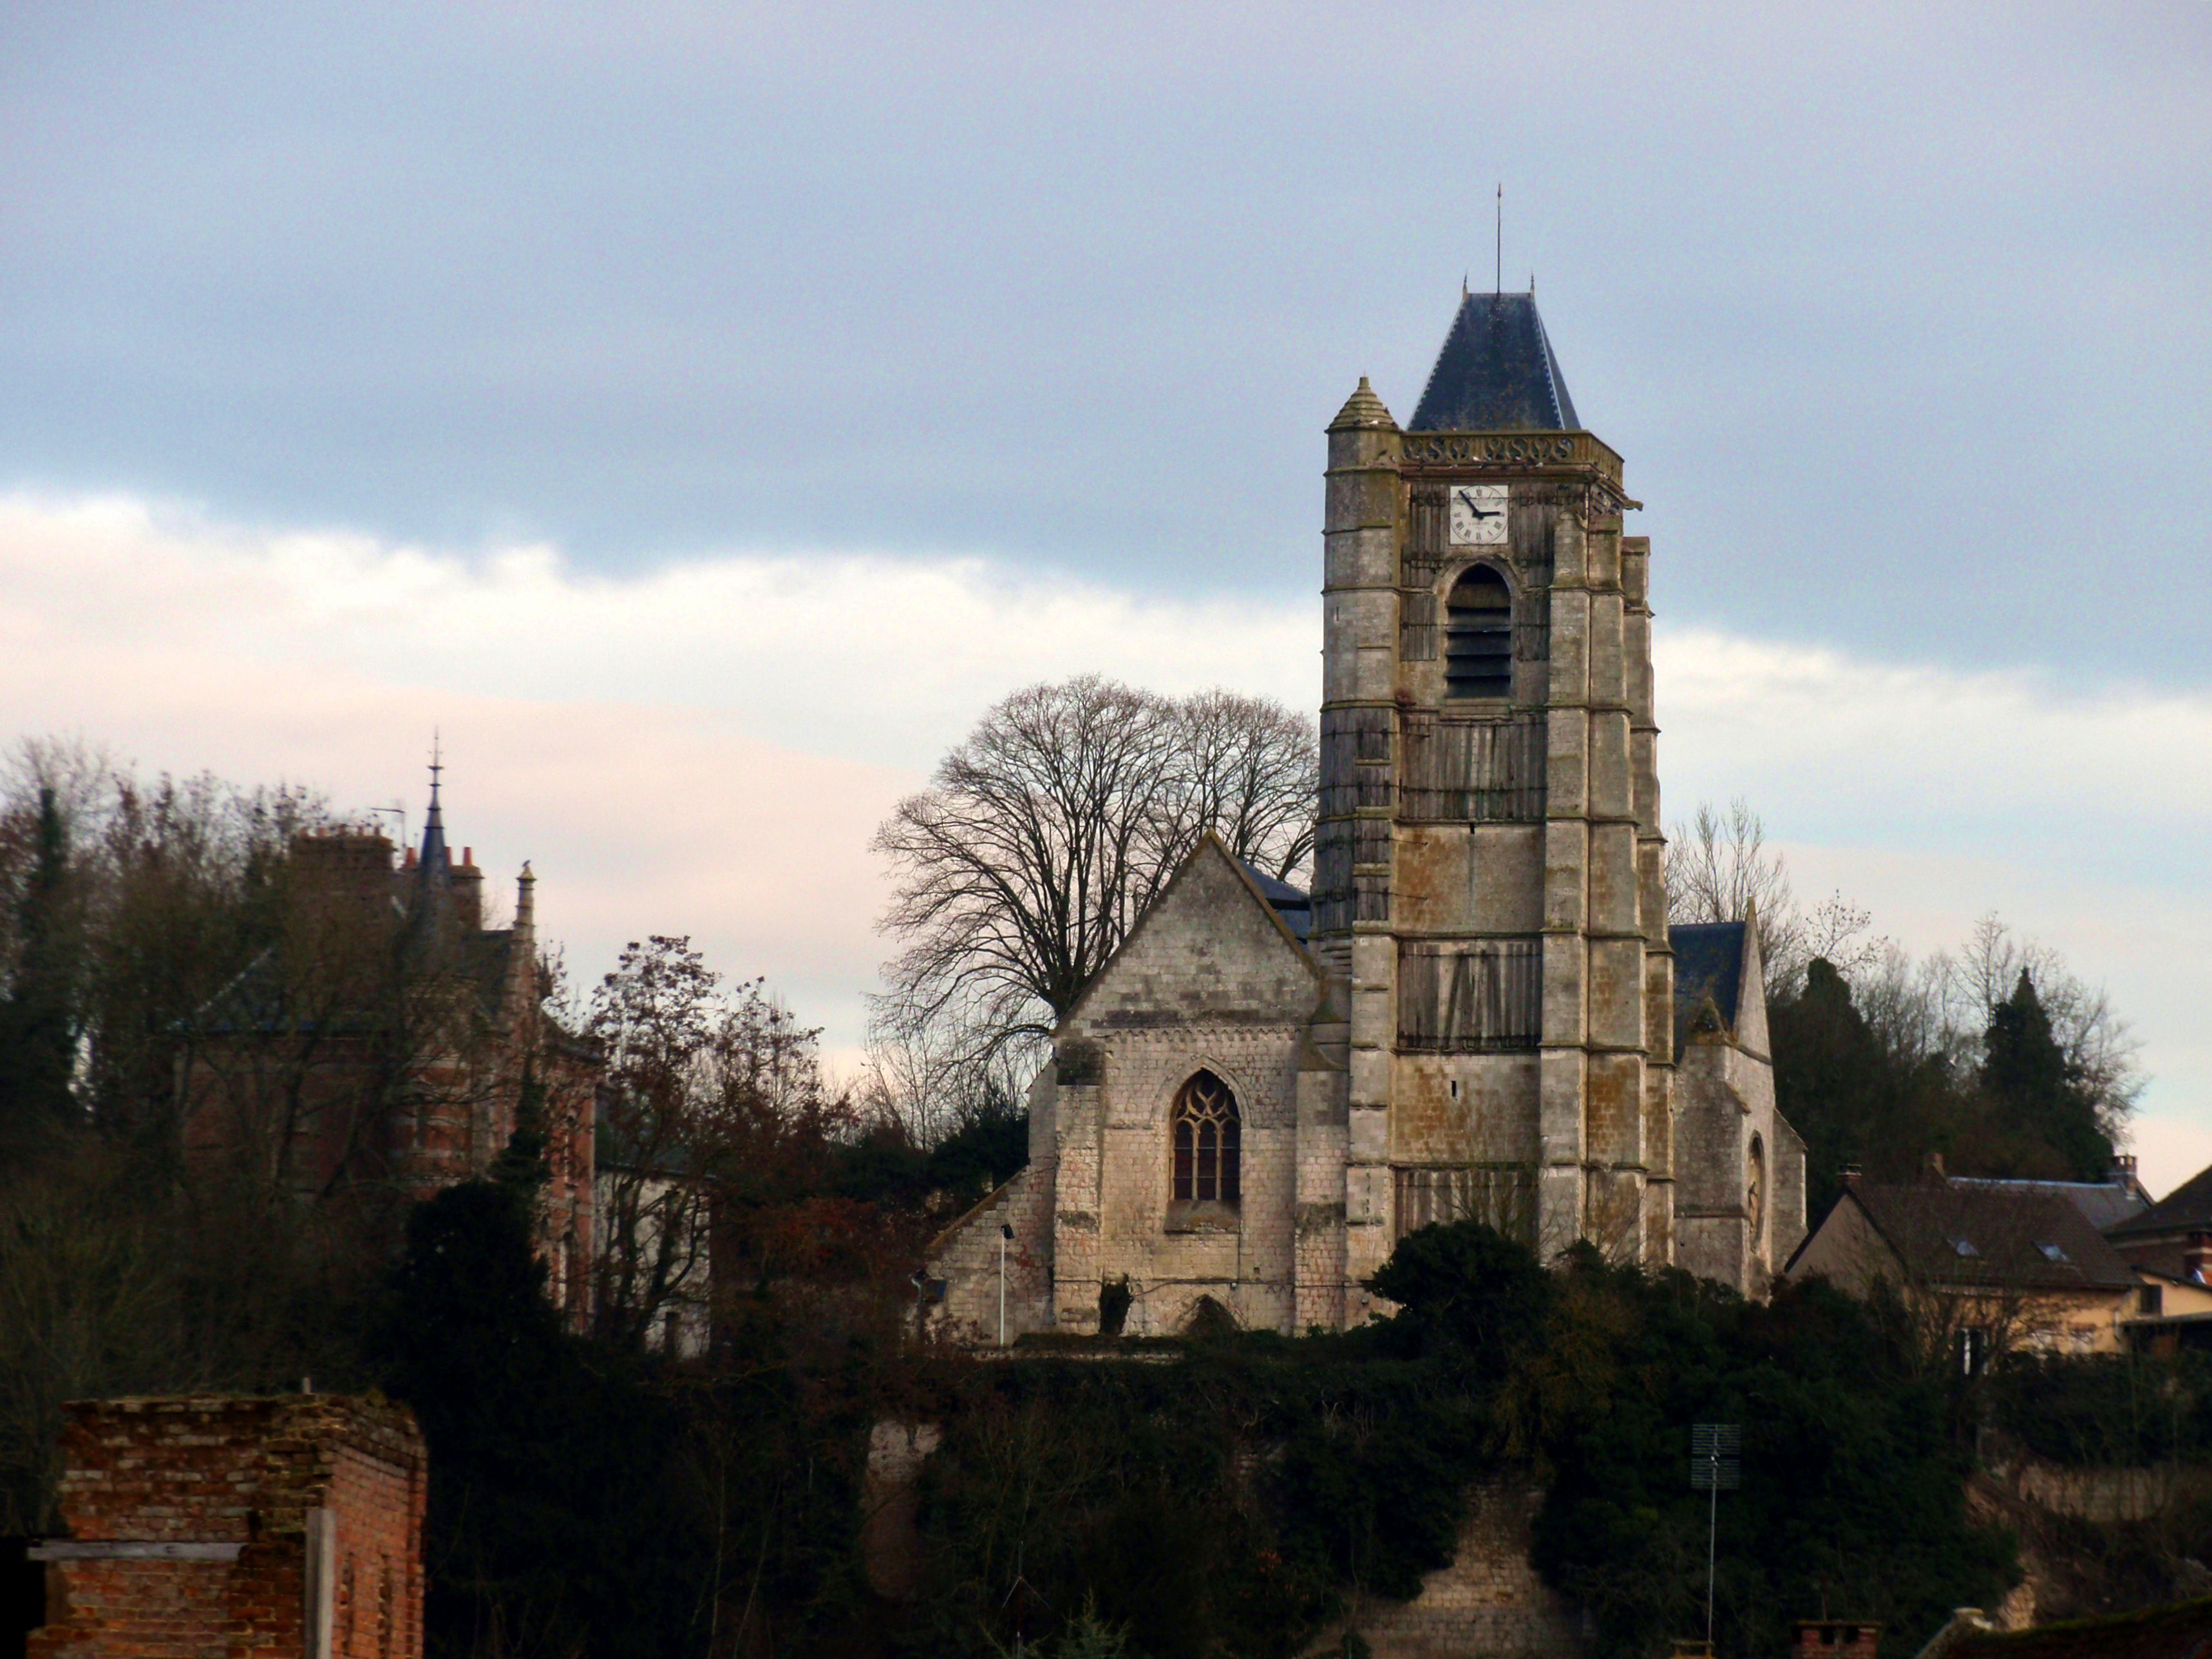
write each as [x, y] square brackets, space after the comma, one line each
[701, 413]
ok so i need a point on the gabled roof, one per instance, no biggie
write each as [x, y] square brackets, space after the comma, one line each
[1968, 1235]
[1209, 851]
[2186, 1209]
[2105, 1204]
[1496, 372]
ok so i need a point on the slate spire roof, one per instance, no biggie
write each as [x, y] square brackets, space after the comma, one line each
[437, 860]
[1496, 372]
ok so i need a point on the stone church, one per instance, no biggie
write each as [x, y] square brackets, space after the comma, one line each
[1480, 1008]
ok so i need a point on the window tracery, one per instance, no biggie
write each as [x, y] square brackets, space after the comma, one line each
[1208, 1142]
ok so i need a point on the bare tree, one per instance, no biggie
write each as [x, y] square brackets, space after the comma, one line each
[1246, 769]
[706, 1086]
[1049, 830]
[2104, 1053]
[1719, 867]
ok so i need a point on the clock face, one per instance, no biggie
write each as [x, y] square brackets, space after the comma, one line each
[1478, 515]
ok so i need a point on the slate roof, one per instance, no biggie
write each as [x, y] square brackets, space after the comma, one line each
[1496, 372]
[1965, 1235]
[1296, 909]
[2104, 1204]
[1708, 962]
[2186, 1209]
[2180, 1630]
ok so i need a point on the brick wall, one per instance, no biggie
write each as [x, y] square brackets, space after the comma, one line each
[237, 1529]
[1835, 1638]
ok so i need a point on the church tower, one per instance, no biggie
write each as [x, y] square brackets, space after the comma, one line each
[1488, 887]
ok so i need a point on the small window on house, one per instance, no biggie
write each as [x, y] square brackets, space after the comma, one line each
[1973, 1350]
[2050, 1252]
[2150, 1301]
[1208, 1150]
[1478, 635]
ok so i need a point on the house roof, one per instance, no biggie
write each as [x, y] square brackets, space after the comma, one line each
[1496, 372]
[2182, 1629]
[2168, 1260]
[2104, 1204]
[1965, 1235]
[2186, 1209]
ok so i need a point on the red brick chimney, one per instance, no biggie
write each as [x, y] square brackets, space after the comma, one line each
[1835, 1639]
[468, 891]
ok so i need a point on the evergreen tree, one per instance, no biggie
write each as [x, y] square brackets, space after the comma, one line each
[1852, 1098]
[2036, 1092]
[552, 1464]
[38, 1017]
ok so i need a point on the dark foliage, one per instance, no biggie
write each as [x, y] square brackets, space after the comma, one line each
[1220, 1497]
[38, 1015]
[1852, 1099]
[1853, 1491]
[1856, 1100]
[551, 1463]
[2037, 1095]
[885, 1165]
[1229, 1495]
[2111, 1410]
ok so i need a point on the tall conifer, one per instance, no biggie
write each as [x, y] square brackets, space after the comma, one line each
[2039, 1092]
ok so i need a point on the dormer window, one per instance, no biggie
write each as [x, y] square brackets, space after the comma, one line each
[1478, 635]
[1965, 1247]
[2050, 1252]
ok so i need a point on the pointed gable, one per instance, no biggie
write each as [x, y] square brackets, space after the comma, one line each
[1211, 948]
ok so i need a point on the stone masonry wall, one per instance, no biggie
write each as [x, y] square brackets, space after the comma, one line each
[1489, 1603]
[1209, 980]
[221, 1529]
[966, 1257]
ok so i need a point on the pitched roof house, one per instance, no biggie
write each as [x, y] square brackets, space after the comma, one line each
[2027, 1261]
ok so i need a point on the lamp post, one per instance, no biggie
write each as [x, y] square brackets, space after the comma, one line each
[1006, 1238]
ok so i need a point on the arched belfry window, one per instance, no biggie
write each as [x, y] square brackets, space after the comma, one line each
[1478, 635]
[1208, 1144]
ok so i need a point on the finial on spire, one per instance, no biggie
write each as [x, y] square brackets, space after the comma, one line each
[436, 860]
[1498, 281]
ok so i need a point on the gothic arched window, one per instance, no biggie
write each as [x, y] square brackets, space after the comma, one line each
[1754, 1196]
[1207, 1142]
[1478, 635]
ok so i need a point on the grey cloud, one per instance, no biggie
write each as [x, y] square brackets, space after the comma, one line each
[1894, 312]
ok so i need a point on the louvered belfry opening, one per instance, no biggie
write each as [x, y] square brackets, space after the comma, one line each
[1207, 1142]
[1478, 635]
